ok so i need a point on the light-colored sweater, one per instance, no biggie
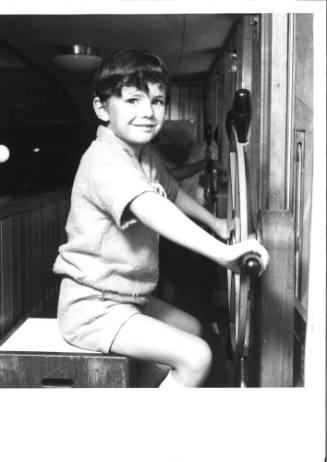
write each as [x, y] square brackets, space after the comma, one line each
[107, 248]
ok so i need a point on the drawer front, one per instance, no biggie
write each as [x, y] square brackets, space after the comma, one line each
[25, 370]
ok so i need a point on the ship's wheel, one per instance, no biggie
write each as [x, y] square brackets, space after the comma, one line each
[270, 297]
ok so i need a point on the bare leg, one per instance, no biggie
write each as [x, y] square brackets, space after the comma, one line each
[144, 337]
[151, 374]
[172, 316]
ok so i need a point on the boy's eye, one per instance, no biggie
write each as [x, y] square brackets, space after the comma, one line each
[159, 102]
[132, 100]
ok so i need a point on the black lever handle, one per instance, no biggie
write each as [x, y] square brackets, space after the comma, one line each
[250, 264]
[241, 113]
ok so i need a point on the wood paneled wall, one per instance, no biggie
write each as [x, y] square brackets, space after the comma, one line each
[187, 103]
[31, 230]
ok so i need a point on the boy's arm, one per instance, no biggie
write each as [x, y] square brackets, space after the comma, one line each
[193, 209]
[164, 217]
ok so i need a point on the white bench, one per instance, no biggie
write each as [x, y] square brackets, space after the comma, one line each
[35, 355]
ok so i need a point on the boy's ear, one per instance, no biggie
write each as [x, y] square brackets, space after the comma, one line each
[101, 110]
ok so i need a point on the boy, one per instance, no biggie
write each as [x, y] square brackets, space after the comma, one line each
[122, 198]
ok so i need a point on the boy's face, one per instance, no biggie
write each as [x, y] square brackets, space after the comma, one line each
[136, 117]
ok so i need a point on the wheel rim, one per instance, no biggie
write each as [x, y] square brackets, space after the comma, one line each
[238, 210]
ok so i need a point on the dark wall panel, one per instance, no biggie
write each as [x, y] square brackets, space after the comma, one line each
[30, 234]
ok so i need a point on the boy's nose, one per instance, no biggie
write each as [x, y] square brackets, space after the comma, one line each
[146, 109]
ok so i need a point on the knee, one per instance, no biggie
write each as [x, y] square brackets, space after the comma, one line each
[197, 365]
[202, 357]
[194, 326]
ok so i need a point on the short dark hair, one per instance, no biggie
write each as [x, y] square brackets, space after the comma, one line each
[131, 67]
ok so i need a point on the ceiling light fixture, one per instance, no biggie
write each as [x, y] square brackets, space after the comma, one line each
[78, 58]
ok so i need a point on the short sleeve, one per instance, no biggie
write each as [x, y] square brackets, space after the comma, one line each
[115, 180]
[162, 174]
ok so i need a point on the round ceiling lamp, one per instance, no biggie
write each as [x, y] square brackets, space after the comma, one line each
[78, 58]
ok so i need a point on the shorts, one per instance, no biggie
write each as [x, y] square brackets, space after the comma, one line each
[88, 319]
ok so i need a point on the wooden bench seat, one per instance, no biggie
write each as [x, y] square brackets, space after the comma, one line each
[35, 355]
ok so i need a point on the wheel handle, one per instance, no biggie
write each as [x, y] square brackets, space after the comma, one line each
[250, 264]
[241, 114]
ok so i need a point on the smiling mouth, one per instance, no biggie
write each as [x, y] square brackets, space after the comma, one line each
[144, 126]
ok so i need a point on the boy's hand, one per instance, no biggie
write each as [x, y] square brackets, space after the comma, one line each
[236, 251]
[220, 227]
